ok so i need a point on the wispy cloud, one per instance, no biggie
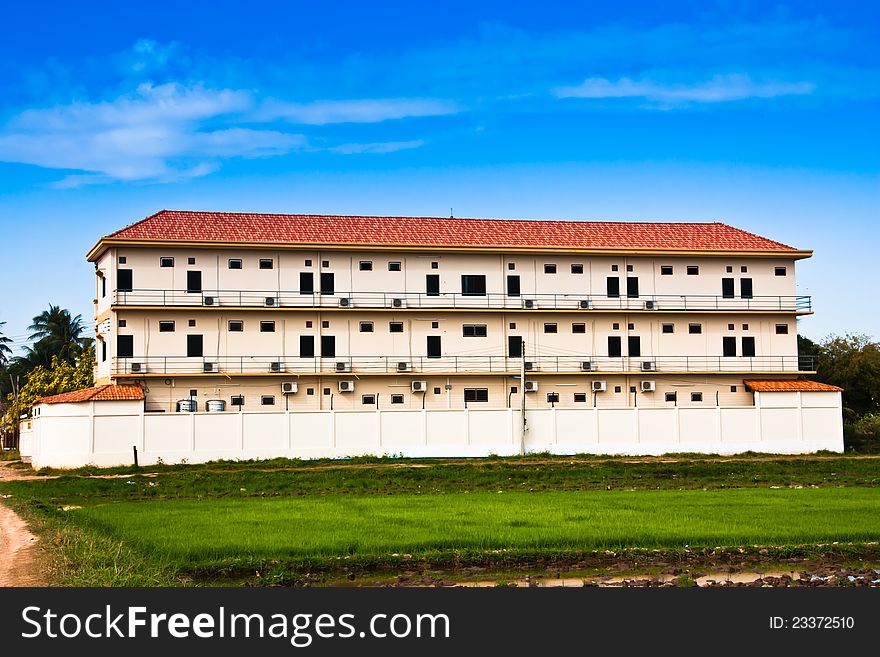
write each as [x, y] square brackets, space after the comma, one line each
[718, 89]
[159, 133]
[378, 147]
[325, 112]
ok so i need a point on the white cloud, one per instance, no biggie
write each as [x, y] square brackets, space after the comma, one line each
[720, 88]
[323, 112]
[158, 133]
[377, 147]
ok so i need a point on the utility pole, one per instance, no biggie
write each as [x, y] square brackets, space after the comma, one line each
[522, 395]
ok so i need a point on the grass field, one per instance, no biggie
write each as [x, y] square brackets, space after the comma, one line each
[225, 522]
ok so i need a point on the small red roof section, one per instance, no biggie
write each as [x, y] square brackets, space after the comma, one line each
[98, 393]
[176, 225]
[791, 386]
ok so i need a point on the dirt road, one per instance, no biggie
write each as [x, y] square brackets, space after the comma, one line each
[19, 565]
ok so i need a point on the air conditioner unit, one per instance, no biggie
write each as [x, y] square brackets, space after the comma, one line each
[588, 366]
[137, 368]
[598, 386]
[649, 386]
[344, 302]
[584, 304]
[529, 366]
[346, 386]
[270, 301]
[650, 305]
[529, 303]
[419, 386]
[289, 387]
[648, 366]
[209, 367]
[403, 366]
[531, 386]
[397, 303]
[343, 366]
[275, 366]
[209, 301]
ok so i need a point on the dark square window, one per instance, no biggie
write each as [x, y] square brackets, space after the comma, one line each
[671, 396]
[267, 327]
[782, 329]
[122, 323]
[577, 268]
[435, 325]
[166, 262]
[394, 266]
[310, 391]
[693, 270]
[629, 267]
[631, 327]
[267, 400]
[617, 388]
[732, 388]
[666, 270]
[436, 391]
[550, 328]
[190, 261]
[695, 328]
[396, 399]
[237, 400]
[667, 328]
[435, 265]
[308, 263]
[308, 323]
[696, 396]
[122, 260]
[511, 265]
[326, 391]
[193, 393]
[578, 328]
[728, 269]
[614, 268]
[513, 389]
[553, 397]
[474, 331]
[191, 323]
[549, 268]
[476, 394]
[366, 327]
[325, 324]
[366, 265]
[580, 397]
[267, 263]
[730, 327]
[779, 271]
[744, 269]
[166, 326]
[745, 327]
[368, 399]
[236, 325]
[615, 326]
[395, 327]
[512, 325]
[325, 263]
[234, 263]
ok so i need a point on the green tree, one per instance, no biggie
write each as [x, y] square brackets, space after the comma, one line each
[5, 349]
[58, 333]
[59, 377]
[853, 363]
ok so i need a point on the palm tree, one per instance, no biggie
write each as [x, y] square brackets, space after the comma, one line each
[57, 333]
[5, 351]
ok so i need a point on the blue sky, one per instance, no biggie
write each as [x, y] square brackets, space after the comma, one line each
[763, 116]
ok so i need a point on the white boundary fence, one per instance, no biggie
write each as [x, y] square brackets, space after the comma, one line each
[104, 433]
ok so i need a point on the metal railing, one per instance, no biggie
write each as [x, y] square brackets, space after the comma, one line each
[454, 300]
[457, 364]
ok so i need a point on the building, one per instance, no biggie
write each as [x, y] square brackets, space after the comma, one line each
[266, 315]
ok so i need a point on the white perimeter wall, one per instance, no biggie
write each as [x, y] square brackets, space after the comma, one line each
[104, 433]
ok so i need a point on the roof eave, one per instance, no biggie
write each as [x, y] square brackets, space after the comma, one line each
[106, 242]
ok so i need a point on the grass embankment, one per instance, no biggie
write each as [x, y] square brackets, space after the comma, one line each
[231, 520]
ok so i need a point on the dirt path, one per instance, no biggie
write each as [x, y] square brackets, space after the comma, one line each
[19, 565]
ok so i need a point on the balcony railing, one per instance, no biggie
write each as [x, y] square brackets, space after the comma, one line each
[458, 364]
[454, 300]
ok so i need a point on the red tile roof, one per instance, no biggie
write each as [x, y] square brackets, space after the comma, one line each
[176, 225]
[791, 386]
[98, 393]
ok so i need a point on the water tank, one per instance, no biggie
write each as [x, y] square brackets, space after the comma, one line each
[215, 405]
[187, 406]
